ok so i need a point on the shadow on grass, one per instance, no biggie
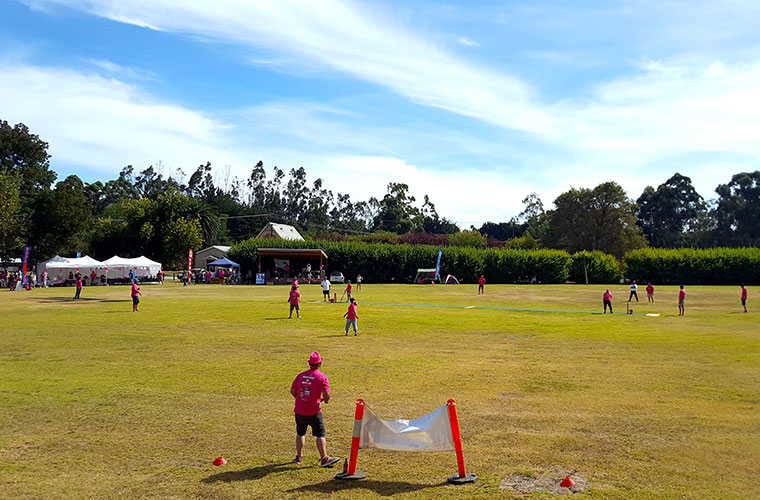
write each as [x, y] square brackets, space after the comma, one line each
[81, 299]
[250, 474]
[383, 488]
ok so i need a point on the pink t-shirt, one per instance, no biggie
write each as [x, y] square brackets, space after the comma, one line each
[135, 291]
[607, 296]
[348, 288]
[351, 311]
[309, 386]
[681, 295]
[295, 297]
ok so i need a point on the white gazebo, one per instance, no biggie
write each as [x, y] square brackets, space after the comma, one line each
[143, 267]
[59, 268]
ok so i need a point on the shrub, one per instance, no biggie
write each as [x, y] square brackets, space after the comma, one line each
[601, 267]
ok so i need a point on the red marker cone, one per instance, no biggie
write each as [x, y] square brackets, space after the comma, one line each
[220, 461]
[567, 483]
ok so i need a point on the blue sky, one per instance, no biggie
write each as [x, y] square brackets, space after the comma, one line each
[476, 104]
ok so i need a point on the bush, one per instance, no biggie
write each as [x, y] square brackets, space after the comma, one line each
[468, 239]
[601, 267]
[714, 266]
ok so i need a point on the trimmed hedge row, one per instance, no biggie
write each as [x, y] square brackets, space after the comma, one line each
[715, 266]
[601, 268]
[383, 263]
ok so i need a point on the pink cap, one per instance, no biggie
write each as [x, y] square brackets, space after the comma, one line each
[315, 358]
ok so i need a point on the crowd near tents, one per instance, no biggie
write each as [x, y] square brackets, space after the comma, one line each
[116, 268]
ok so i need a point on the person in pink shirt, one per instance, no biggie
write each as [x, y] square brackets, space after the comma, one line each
[650, 293]
[310, 388]
[78, 282]
[607, 300]
[352, 317]
[295, 301]
[481, 285]
[744, 298]
[682, 302]
[135, 296]
[349, 287]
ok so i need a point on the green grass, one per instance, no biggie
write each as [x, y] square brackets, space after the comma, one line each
[98, 402]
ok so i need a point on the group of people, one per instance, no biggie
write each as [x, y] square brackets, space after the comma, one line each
[607, 297]
[294, 300]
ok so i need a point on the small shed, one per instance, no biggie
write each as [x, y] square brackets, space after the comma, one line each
[280, 231]
[285, 264]
[203, 258]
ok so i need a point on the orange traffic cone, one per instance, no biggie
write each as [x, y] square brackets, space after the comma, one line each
[567, 483]
[220, 461]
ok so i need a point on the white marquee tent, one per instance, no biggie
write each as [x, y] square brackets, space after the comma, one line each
[58, 267]
[119, 267]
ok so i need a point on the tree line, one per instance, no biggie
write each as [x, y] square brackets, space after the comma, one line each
[162, 213]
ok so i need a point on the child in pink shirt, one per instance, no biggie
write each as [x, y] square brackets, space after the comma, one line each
[351, 317]
[295, 301]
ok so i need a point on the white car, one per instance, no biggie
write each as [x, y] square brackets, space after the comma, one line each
[337, 277]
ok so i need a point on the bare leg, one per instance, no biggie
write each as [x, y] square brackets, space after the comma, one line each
[300, 440]
[322, 447]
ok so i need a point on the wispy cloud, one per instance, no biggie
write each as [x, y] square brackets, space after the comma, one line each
[463, 40]
[97, 122]
[354, 38]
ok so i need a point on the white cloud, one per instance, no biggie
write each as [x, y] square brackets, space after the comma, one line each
[350, 37]
[104, 124]
[467, 42]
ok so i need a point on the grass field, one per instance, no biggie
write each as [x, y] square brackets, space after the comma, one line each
[99, 402]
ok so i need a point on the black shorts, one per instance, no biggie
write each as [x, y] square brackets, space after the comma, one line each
[315, 421]
[135, 299]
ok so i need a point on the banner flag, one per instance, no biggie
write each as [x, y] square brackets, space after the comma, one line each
[438, 264]
[431, 432]
[25, 260]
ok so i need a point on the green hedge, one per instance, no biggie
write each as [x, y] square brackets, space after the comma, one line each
[383, 263]
[715, 266]
[601, 268]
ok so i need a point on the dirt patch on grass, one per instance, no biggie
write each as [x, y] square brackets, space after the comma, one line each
[548, 482]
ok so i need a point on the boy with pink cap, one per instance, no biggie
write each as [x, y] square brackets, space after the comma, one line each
[309, 389]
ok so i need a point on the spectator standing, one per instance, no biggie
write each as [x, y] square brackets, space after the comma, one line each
[310, 388]
[650, 293]
[607, 300]
[352, 317]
